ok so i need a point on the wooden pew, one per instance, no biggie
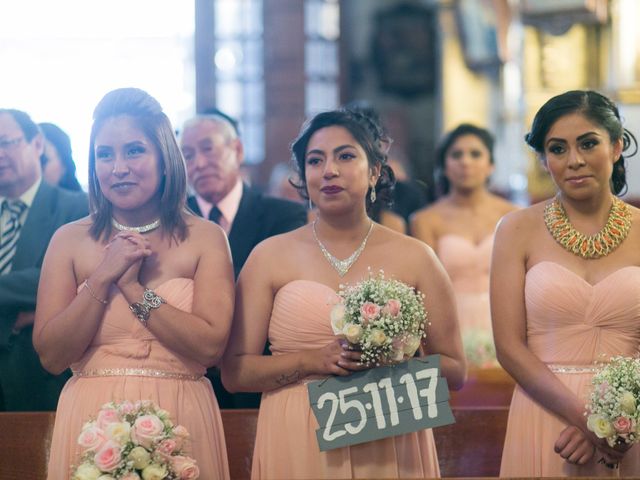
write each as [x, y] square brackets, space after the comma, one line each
[470, 447]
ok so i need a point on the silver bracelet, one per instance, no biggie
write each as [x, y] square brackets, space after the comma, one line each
[150, 301]
[91, 292]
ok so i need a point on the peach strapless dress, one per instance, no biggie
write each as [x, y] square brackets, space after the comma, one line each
[468, 267]
[570, 323]
[286, 445]
[123, 343]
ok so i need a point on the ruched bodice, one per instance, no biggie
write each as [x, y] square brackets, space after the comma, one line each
[570, 325]
[598, 321]
[125, 361]
[286, 444]
[468, 267]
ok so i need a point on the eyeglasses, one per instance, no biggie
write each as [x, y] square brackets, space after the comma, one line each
[10, 144]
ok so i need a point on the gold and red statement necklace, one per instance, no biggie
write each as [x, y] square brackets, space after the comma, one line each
[588, 246]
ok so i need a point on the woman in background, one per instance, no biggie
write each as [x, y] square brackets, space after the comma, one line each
[58, 167]
[125, 296]
[460, 226]
[286, 291]
[565, 284]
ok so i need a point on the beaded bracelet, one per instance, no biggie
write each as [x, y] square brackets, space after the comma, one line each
[90, 290]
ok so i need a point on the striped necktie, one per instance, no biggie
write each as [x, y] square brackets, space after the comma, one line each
[10, 213]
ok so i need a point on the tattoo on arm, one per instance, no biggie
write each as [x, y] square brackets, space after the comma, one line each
[285, 379]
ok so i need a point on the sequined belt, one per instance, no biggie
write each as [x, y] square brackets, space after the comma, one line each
[137, 372]
[556, 368]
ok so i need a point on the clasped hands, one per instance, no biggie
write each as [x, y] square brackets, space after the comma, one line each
[124, 255]
[578, 447]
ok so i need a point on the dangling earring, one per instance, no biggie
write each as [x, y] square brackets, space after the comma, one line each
[373, 195]
[310, 205]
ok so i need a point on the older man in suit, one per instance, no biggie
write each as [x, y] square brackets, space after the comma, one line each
[213, 153]
[31, 211]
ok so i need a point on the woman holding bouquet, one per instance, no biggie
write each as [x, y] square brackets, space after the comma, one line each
[286, 292]
[126, 297]
[460, 227]
[565, 283]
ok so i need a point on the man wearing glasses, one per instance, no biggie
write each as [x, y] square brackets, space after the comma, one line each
[30, 212]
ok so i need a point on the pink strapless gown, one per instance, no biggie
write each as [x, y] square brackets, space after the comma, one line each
[570, 322]
[286, 445]
[122, 342]
[468, 267]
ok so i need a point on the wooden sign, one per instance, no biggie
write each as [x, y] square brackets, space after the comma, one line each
[380, 402]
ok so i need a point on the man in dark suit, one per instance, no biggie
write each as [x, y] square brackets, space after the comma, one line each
[31, 211]
[214, 153]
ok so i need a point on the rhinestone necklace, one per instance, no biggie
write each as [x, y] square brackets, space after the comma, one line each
[141, 229]
[593, 246]
[341, 266]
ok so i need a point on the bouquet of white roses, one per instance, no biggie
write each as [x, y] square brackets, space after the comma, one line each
[384, 318]
[133, 441]
[613, 412]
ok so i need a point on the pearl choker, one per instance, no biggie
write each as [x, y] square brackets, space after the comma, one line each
[141, 229]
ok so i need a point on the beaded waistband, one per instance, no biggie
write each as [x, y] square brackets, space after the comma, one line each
[137, 372]
[556, 368]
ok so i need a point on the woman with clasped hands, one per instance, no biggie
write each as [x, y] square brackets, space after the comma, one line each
[138, 297]
[288, 287]
[565, 284]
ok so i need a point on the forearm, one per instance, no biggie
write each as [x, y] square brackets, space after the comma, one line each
[262, 373]
[454, 370]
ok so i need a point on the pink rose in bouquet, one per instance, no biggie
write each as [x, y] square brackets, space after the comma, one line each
[91, 438]
[147, 429]
[109, 457]
[369, 312]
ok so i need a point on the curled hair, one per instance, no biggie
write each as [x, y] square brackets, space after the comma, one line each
[464, 129]
[597, 108]
[366, 130]
[149, 117]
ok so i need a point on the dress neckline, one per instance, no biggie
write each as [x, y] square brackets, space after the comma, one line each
[574, 274]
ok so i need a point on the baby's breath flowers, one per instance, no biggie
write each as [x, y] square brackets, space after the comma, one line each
[613, 412]
[384, 317]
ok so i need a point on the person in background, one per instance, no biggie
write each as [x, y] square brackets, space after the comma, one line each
[460, 226]
[58, 167]
[133, 282]
[286, 291]
[214, 153]
[30, 212]
[565, 284]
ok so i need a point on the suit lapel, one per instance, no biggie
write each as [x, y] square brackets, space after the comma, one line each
[246, 223]
[37, 229]
[192, 203]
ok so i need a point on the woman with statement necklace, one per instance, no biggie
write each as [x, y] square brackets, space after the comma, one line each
[288, 287]
[125, 295]
[565, 284]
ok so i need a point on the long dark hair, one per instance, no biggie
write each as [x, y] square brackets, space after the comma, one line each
[597, 108]
[442, 182]
[147, 113]
[369, 135]
[62, 143]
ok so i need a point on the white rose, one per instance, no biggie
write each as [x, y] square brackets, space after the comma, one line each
[337, 318]
[154, 472]
[119, 432]
[140, 457]
[600, 426]
[86, 471]
[411, 345]
[628, 403]
[352, 332]
[377, 337]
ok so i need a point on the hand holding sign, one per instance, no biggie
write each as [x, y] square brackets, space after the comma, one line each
[380, 403]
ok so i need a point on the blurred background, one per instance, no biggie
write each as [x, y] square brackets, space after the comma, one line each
[424, 65]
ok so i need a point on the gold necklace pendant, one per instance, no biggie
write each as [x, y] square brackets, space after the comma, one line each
[594, 246]
[341, 266]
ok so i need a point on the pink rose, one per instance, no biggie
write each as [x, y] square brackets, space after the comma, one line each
[106, 416]
[392, 307]
[166, 447]
[180, 435]
[91, 438]
[147, 429]
[369, 312]
[185, 467]
[109, 457]
[623, 425]
[126, 408]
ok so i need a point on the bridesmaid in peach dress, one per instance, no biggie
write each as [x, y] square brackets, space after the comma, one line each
[138, 240]
[460, 226]
[286, 291]
[565, 284]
